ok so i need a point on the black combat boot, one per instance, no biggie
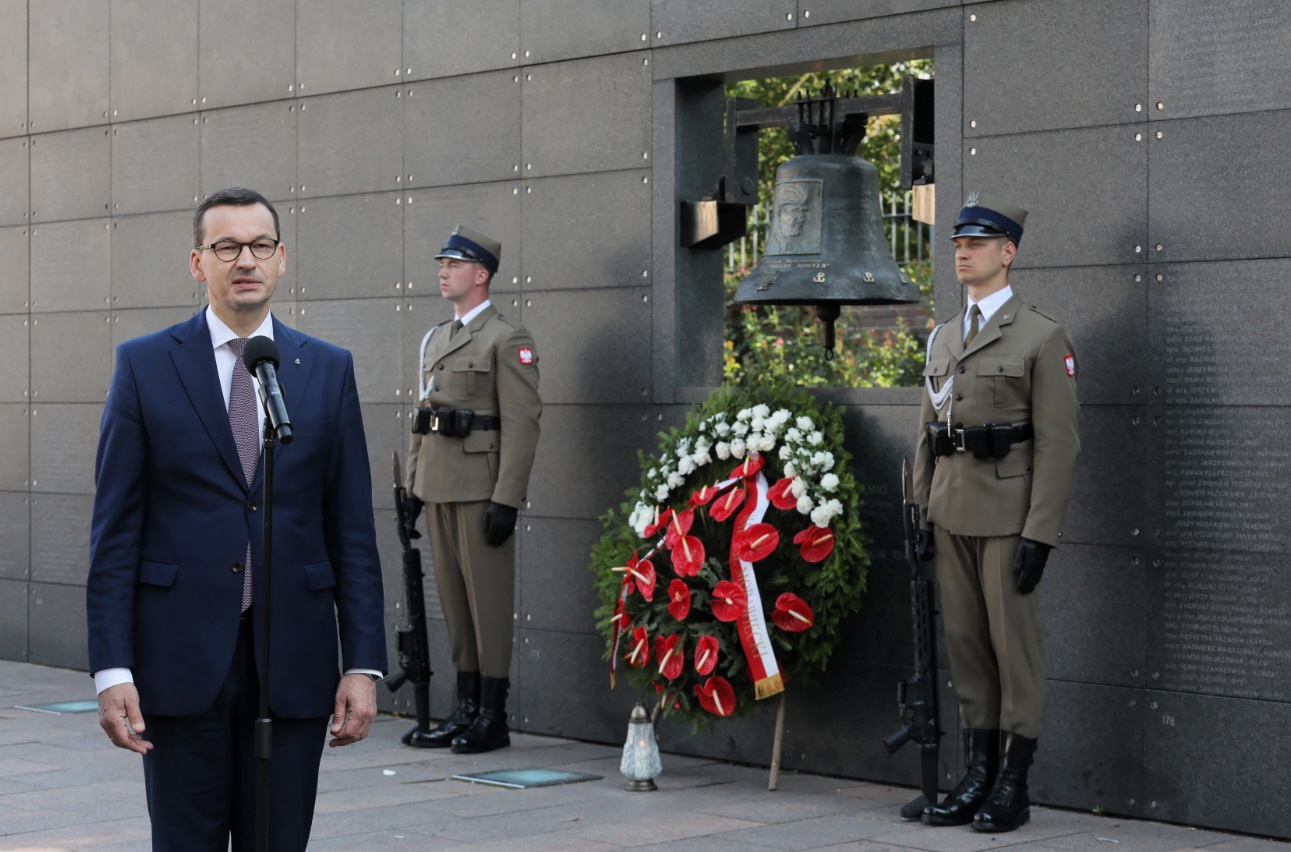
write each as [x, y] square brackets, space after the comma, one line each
[981, 759]
[1007, 806]
[466, 712]
[489, 730]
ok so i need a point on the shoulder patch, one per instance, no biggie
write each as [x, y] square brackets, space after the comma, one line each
[526, 356]
[1069, 361]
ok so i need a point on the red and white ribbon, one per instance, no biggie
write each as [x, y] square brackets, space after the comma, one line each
[752, 624]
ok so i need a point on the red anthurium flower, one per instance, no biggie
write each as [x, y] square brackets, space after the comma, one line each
[723, 507]
[639, 576]
[752, 463]
[639, 651]
[706, 654]
[687, 556]
[792, 613]
[756, 542]
[660, 521]
[817, 543]
[702, 496]
[716, 695]
[781, 494]
[678, 526]
[729, 601]
[671, 655]
[679, 595]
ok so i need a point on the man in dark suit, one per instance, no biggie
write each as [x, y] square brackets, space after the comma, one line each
[176, 540]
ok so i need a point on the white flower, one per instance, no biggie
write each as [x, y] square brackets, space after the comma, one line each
[676, 480]
[737, 448]
[781, 417]
[722, 430]
[798, 487]
[816, 439]
[744, 414]
[723, 450]
[823, 459]
[683, 448]
[785, 452]
[767, 444]
[805, 424]
[829, 482]
[821, 516]
[761, 410]
[793, 436]
[661, 493]
[758, 424]
[701, 459]
[805, 505]
[686, 466]
[740, 429]
[835, 506]
[790, 469]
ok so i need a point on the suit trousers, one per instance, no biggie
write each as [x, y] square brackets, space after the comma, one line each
[200, 775]
[476, 587]
[993, 633]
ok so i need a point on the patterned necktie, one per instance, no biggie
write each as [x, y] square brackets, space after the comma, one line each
[974, 316]
[244, 416]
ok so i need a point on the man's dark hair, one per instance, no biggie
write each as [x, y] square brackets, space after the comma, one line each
[232, 196]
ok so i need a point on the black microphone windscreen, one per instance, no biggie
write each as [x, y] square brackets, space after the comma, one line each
[258, 350]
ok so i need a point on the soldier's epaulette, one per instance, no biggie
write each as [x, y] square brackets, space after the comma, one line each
[1043, 314]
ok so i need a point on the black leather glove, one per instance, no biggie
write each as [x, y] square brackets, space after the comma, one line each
[1028, 565]
[411, 509]
[499, 523]
[923, 546]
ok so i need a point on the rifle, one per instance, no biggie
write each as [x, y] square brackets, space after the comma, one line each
[412, 642]
[917, 694]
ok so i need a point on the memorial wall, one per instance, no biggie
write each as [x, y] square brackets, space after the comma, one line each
[1145, 137]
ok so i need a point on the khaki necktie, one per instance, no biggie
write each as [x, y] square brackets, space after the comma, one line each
[974, 317]
[454, 328]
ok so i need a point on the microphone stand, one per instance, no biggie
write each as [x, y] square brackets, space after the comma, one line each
[263, 735]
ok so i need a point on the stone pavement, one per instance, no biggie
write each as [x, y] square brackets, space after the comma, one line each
[63, 787]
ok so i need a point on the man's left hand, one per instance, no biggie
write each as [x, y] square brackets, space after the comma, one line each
[1028, 565]
[499, 523]
[355, 708]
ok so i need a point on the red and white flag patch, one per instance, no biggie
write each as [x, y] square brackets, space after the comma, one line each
[526, 355]
[1069, 361]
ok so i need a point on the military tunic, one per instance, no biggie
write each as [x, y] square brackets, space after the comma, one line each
[1021, 368]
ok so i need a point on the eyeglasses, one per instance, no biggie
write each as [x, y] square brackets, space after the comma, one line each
[232, 249]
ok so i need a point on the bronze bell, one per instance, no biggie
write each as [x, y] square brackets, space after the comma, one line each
[825, 244]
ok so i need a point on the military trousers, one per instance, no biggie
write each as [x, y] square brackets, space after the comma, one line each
[476, 586]
[993, 633]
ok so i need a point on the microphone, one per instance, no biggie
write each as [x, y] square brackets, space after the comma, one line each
[261, 357]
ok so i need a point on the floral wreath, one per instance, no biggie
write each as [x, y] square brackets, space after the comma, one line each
[748, 509]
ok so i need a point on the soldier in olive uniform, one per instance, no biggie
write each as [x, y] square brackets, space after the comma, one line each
[473, 443]
[994, 461]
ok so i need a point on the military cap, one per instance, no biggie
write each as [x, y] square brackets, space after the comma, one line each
[989, 217]
[465, 244]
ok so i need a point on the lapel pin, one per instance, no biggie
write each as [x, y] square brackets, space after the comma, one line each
[297, 360]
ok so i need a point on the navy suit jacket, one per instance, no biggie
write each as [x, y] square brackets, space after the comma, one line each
[173, 513]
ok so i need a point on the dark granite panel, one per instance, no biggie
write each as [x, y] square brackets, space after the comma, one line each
[1092, 748]
[227, 47]
[71, 357]
[1215, 58]
[1092, 605]
[68, 262]
[1219, 624]
[1105, 309]
[150, 262]
[154, 165]
[1210, 761]
[1218, 177]
[348, 247]
[15, 259]
[678, 21]
[13, 68]
[15, 190]
[429, 219]
[358, 326]
[564, 29]
[383, 424]
[606, 99]
[554, 588]
[590, 347]
[64, 438]
[154, 57]
[1102, 224]
[127, 325]
[444, 122]
[583, 702]
[343, 45]
[611, 434]
[71, 175]
[1108, 504]
[15, 535]
[251, 146]
[14, 342]
[13, 619]
[60, 538]
[442, 38]
[68, 72]
[15, 427]
[951, 154]
[609, 246]
[58, 635]
[815, 12]
[1103, 44]
[332, 130]
[1223, 484]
